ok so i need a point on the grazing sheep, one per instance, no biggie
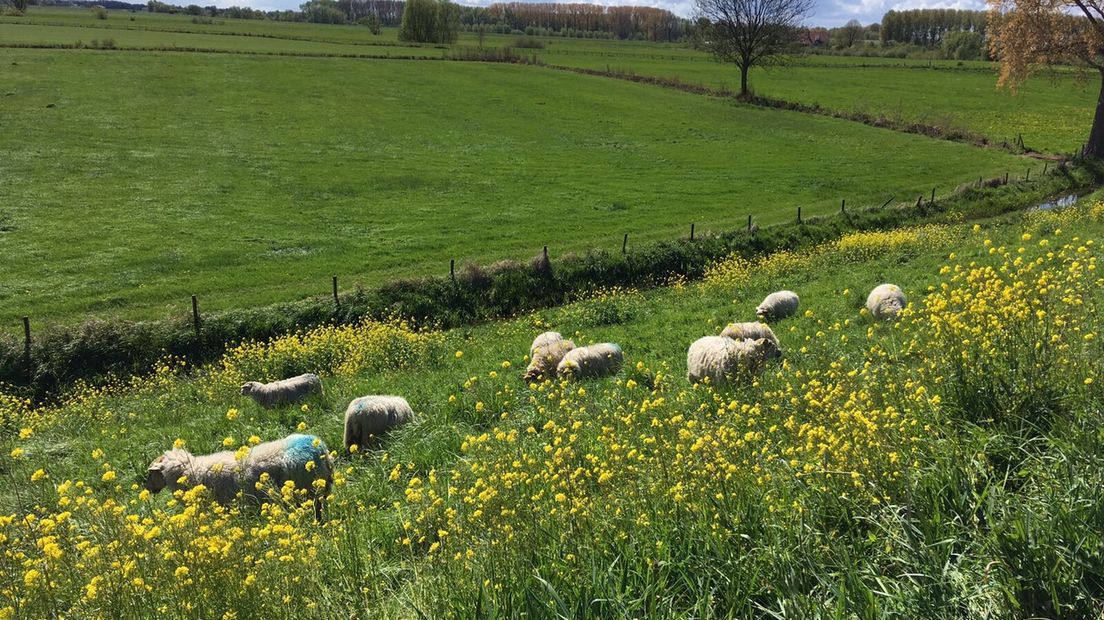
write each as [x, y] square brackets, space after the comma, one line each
[545, 354]
[285, 392]
[593, 362]
[750, 331]
[885, 301]
[224, 476]
[724, 360]
[778, 305]
[369, 417]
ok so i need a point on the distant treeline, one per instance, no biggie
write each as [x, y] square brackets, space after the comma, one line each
[542, 18]
[622, 22]
[928, 27]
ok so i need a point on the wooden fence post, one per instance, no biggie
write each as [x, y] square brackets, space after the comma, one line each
[452, 270]
[749, 223]
[546, 253]
[195, 314]
[625, 244]
[1045, 163]
[799, 215]
[337, 302]
[27, 344]
[691, 231]
[919, 200]
[933, 195]
[1027, 177]
[843, 206]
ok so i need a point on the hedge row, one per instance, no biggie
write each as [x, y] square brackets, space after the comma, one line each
[92, 350]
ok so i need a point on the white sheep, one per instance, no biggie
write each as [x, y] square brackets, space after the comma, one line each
[285, 392]
[885, 302]
[753, 330]
[724, 360]
[593, 362]
[369, 417]
[287, 459]
[778, 305]
[545, 354]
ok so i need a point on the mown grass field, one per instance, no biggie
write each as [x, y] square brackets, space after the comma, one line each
[134, 180]
[944, 466]
[1052, 113]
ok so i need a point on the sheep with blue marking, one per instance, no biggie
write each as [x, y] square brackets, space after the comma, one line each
[724, 361]
[302, 460]
[593, 362]
[545, 354]
[284, 392]
[778, 305]
[369, 418]
[885, 302]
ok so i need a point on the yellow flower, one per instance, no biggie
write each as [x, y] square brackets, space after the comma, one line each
[227, 442]
[181, 572]
[26, 433]
[31, 577]
[254, 440]
[38, 475]
[179, 443]
[108, 476]
[479, 406]
[16, 453]
[459, 354]
[232, 414]
[97, 454]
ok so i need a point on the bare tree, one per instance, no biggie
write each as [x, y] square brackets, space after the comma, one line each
[851, 33]
[751, 32]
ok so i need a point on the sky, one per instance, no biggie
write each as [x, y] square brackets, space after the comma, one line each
[827, 12]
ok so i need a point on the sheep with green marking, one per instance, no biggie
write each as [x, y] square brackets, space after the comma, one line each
[545, 354]
[369, 418]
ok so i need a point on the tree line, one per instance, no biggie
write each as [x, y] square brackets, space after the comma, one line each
[928, 27]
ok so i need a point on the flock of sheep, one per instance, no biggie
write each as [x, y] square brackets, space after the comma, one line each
[740, 352]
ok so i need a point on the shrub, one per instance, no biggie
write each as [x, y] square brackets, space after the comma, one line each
[528, 43]
[99, 11]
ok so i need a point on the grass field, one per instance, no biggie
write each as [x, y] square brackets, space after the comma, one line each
[944, 466]
[1052, 114]
[248, 180]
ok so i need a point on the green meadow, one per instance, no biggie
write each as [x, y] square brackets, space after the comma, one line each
[248, 180]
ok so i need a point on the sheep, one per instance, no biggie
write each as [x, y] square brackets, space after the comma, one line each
[287, 459]
[750, 331]
[545, 354]
[370, 417]
[885, 301]
[723, 360]
[278, 393]
[593, 362]
[778, 305]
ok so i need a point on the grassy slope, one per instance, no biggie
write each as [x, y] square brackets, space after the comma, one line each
[251, 180]
[654, 329]
[1052, 115]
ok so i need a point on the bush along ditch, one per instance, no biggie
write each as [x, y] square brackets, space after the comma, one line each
[59, 356]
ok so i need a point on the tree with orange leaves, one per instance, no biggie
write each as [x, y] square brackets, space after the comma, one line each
[1028, 34]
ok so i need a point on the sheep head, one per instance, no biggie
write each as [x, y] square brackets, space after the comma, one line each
[166, 469]
[249, 387]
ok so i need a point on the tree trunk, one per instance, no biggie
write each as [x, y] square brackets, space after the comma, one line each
[744, 88]
[1095, 146]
